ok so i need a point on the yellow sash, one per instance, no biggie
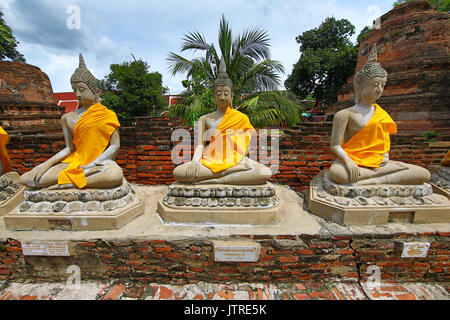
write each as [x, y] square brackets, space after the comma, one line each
[91, 136]
[4, 139]
[229, 144]
[368, 145]
[446, 160]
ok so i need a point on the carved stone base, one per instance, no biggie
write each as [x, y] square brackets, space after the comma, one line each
[11, 192]
[440, 179]
[220, 204]
[75, 210]
[377, 204]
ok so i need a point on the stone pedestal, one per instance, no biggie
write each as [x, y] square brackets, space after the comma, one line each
[377, 204]
[11, 192]
[75, 210]
[220, 204]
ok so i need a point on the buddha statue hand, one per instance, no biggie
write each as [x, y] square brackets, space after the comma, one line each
[193, 171]
[34, 176]
[353, 170]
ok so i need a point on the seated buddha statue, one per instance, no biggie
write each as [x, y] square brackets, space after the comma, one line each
[223, 136]
[92, 141]
[5, 164]
[361, 137]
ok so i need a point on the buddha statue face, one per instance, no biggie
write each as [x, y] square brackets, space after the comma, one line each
[223, 97]
[371, 90]
[84, 95]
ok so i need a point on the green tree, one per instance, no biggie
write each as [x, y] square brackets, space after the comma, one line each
[198, 98]
[131, 90]
[8, 43]
[247, 58]
[441, 5]
[328, 58]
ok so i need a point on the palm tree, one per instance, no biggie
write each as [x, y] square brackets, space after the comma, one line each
[247, 58]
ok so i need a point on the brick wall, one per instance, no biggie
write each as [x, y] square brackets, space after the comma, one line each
[146, 148]
[283, 259]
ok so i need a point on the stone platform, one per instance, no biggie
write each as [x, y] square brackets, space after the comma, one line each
[301, 247]
[366, 205]
[216, 204]
[74, 210]
[11, 192]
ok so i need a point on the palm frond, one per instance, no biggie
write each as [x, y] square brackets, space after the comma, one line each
[255, 44]
[194, 41]
[178, 64]
[225, 40]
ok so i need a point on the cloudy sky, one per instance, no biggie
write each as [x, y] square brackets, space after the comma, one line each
[52, 34]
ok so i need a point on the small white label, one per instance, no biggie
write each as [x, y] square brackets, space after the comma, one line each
[229, 252]
[415, 249]
[45, 248]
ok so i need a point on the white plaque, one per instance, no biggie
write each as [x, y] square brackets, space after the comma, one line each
[45, 248]
[228, 251]
[415, 249]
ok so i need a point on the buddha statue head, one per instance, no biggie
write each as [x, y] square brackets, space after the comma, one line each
[223, 88]
[85, 85]
[369, 82]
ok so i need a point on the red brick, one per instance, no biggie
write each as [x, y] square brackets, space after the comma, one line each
[163, 249]
[87, 244]
[165, 293]
[302, 296]
[346, 252]
[114, 292]
[288, 259]
[305, 252]
[409, 296]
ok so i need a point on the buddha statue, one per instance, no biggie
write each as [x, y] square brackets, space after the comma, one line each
[223, 136]
[11, 192]
[92, 141]
[361, 137]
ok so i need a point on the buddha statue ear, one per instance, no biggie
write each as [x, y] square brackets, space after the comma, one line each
[356, 90]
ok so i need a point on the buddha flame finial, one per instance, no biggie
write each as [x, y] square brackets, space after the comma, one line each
[82, 74]
[222, 78]
[373, 54]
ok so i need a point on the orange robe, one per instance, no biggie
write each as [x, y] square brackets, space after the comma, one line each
[230, 143]
[4, 138]
[368, 145]
[446, 160]
[91, 137]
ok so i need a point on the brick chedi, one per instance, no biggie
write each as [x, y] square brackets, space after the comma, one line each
[26, 99]
[413, 47]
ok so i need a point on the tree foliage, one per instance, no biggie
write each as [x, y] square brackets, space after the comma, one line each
[328, 58]
[8, 43]
[249, 66]
[441, 5]
[131, 90]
